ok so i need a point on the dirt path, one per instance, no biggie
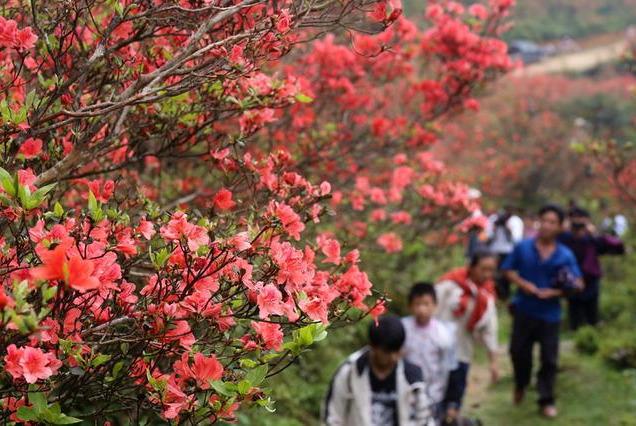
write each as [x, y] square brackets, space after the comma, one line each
[581, 61]
[479, 388]
[479, 381]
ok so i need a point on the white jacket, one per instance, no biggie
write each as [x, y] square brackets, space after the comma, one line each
[432, 348]
[348, 401]
[449, 295]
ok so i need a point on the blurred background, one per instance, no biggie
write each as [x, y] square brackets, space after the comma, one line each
[559, 128]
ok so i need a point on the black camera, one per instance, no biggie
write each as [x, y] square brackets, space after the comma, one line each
[577, 226]
[566, 282]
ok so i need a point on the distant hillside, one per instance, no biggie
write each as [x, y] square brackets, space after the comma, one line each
[541, 20]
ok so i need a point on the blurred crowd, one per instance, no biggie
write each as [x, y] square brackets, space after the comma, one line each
[414, 370]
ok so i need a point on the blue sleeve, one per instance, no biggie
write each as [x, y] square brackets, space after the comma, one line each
[573, 265]
[511, 262]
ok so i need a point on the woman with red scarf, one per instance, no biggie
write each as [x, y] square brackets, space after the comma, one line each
[466, 299]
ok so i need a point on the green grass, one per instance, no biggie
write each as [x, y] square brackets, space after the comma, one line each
[588, 392]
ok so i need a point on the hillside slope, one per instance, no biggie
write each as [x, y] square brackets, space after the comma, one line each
[543, 20]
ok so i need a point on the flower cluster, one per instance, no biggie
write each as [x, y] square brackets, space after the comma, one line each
[166, 182]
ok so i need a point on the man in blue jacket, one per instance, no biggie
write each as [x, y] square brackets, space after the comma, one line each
[543, 270]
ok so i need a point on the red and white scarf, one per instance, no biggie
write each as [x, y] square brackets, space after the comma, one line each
[481, 293]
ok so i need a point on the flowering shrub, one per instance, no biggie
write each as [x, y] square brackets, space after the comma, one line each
[376, 114]
[159, 255]
[525, 145]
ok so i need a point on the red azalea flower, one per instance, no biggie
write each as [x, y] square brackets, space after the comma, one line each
[206, 369]
[31, 148]
[223, 200]
[75, 272]
[270, 334]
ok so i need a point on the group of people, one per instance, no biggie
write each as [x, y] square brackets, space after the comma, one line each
[414, 370]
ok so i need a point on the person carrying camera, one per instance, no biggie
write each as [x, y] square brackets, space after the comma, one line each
[504, 230]
[587, 246]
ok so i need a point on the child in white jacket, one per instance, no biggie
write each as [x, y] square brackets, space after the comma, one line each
[430, 343]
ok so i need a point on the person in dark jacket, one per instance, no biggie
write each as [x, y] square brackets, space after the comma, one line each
[587, 247]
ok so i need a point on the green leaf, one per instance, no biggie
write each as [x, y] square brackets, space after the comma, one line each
[247, 363]
[27, 413]
[303, 99]
[100, 359]
[55, 409]
[63, 419]
[38, 400]
[4, 200]
[48, 292]
[320, 332]
[54, 415]
[5, 111]
[24, 195]
[117, 368]
[578, 147]
[160, 258]
[5, 174]
[305, 336]
[94, 208]
[244, 387]
[30, 98]
[43, 191]
[9, 187]
[222, 388]
[158, 385]
[257, 375]
[294, 347]
[269, 357]
[92, 201]
[267, 404]
[66, 346]
[58, 210]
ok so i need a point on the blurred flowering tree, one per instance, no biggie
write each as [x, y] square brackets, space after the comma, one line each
[524, 145]
[163, 168]
[610, 130]
[375, 117]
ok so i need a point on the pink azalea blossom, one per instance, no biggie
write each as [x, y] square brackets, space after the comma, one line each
[269, 301]
[270, 334]
[223, 200]
[206, 369]
[31, 148]
[390, 242]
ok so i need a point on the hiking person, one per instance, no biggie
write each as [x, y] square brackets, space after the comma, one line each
[466, 299]
[376, 387]
[430, 344]
[614, 223]
[504, 230]
[543, 270]
[587, 247]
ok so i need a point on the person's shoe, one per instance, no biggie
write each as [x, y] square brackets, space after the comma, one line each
[517, 398]
[549, 411]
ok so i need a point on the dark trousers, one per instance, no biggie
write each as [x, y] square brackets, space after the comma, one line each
[583, 312]
[583, 308]
[526, 332]
[457, 382]
[502, 285]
